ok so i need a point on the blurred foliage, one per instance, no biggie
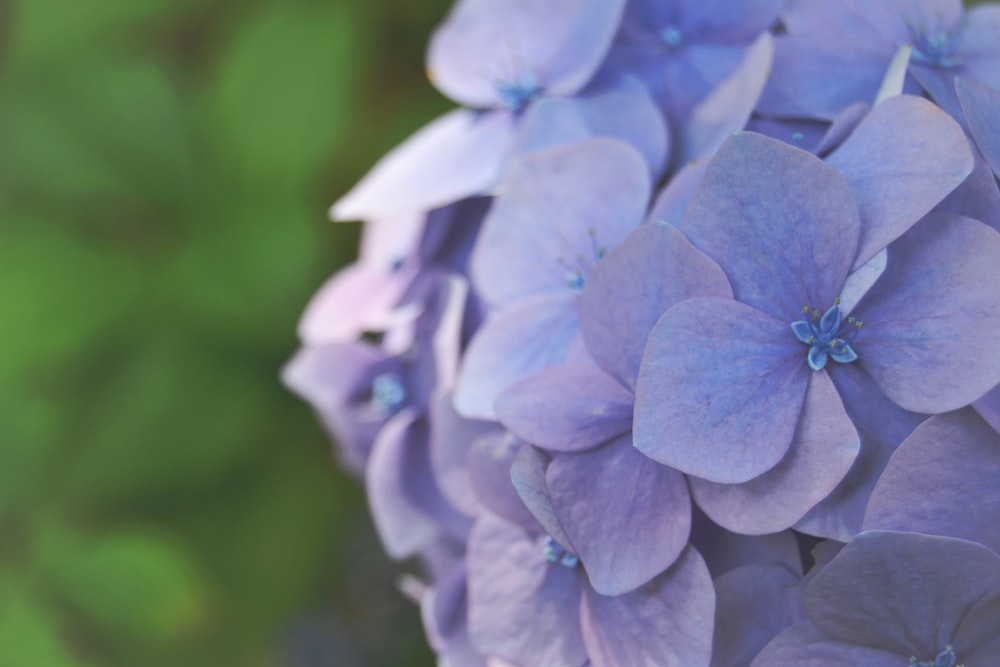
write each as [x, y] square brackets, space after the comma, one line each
[165, 168]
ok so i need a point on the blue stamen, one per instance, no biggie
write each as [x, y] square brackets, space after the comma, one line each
[672, 37]
[554, 553]
[946, 658]
[824, 336]
[515, 95]
[576, 274]
[935, 47]
[388, 393]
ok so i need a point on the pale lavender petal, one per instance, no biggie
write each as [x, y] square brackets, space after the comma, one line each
[823, 449]
[627, 293]
[901, 160]
[842, 127]
[458, 155]
[978, 197]
[613, 105]
[668, 622]
[590, 195]
[957, 453]
[981, 105]
[566, 408]
[528, 476]
[861, 280]
[900, 592]
[485, 44]
[803, 645]
[673, 200]
[780, 222]
[512, 344]
[754, 603]
[715, 17]
[627, 516]
[728, 107]
[720, 390]
[931, 327]
[405, 503]
[521, 607]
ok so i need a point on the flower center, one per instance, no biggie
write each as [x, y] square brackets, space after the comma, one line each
[672, 37]
[388, 393]
[554, 553]
[934, 46]
[946, 658]
[825, 335]
[516, 94]
[576, 272]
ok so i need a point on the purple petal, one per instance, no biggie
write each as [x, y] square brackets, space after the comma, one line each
[521, 607]
[566, 408]
[590, 195]
[484, 44]
[509, 346]
[528, 476]
[458, 155]
[931, 327]
[957, 453]
[490, 459]
[754, 603]
[782, 225]
[977, 197]
[902, 159]
[628, 292]
[864, 597]
[667, 622]
[673, 199]
[882, 426]
[728, 107]
[988, 407]
[451, 439]
[405, 503]
[720, 390]
[842, 127]
[803, 645]
[824, 447]
[725, 551]
[981, 105]
[628, 517]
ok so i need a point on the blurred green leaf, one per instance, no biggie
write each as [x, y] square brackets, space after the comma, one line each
[29, 633]
[283, 91]
[131, 585]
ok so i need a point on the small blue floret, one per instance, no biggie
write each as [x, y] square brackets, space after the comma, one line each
[946, 658]
[935, 46]
[672, 37]
[388, 393]
[516, 95]
[823, 335]
[554, 553]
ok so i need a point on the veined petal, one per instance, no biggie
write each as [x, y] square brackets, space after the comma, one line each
[982, 108]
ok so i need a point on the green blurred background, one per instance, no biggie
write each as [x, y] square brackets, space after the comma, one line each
[165, 169]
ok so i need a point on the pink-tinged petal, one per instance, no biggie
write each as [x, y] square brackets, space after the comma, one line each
[405, 502]
[490, 460]
[754, 604]
[803, 645]
[882, 425]
[527, 473]
[823, 449]
[627, 293]
[521, 607]
[932, 321]
[613, 105]
[943, 480]
[667, 623]
[511, 345]
[981, 105]
[452, 437]
[720, 390]
[484, 44]
[590, 195]
[864, 596]
[566, 408]
[627, 516]
[901, 161]
[780, 222]
[458, 155]
[728, 107]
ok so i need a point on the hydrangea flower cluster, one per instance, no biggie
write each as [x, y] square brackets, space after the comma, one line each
[678, 343]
